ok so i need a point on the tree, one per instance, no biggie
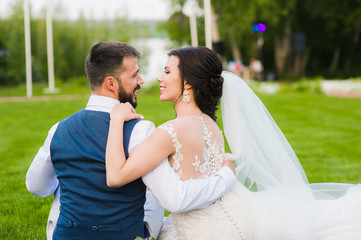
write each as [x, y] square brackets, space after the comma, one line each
[302, 37]
[72, 41]
[12, 39]
[338, 34]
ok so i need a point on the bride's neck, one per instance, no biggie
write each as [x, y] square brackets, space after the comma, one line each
[190, 109]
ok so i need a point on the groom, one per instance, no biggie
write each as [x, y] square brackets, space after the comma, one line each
[72, 159]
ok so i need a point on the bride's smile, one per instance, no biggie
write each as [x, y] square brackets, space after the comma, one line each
[169, 81]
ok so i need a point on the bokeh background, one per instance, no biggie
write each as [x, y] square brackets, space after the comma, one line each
[301, 57]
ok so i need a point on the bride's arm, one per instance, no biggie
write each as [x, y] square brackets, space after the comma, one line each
[145, 157]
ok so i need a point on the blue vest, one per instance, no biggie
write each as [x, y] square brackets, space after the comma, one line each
[89, 208]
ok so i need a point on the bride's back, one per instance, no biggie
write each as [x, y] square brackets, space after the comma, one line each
[198, 144]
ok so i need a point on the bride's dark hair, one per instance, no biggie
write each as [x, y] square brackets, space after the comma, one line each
[201, 68]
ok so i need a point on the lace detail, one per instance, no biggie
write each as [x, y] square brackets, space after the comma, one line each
[213, 155]
[178, 157]
[206, 153]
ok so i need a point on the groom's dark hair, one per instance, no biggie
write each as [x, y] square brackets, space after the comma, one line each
[106, 59]
[201, 68]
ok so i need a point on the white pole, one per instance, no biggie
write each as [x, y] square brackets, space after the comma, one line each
[192, 10]
[49, 38]
[208, 23]
[29, 82]
[193, 23]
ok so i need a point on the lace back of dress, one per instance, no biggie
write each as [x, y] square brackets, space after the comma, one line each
[198, 144]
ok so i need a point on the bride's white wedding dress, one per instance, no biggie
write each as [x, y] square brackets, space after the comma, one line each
[280, 206]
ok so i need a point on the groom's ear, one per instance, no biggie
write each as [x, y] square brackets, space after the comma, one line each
[110, 83]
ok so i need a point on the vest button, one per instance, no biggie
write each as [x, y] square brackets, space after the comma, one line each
[75, 225]
[94, 228]
[69, 223]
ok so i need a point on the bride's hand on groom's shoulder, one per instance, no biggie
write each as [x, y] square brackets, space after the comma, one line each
[124, 112]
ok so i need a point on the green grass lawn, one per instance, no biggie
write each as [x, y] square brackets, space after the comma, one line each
[324, 132]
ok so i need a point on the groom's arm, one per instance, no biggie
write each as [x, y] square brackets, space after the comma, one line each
[41, 179]
[176, 195]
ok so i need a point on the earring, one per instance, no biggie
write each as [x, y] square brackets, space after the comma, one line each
[186, 98]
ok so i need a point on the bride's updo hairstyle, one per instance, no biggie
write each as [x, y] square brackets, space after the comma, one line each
[201, 68]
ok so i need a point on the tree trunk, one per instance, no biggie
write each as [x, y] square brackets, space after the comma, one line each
[304, 62]
[335, 58]
[283, 44]
[356, 39]
[236, 53]
[299, 64]
[283, 48]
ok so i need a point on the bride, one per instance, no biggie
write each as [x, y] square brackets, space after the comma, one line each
[271, 200]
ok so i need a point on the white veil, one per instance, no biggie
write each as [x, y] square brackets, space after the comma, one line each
[264, 159]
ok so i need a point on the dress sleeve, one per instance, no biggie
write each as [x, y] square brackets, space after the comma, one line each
[41, 179]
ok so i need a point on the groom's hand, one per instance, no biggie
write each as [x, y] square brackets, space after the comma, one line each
[229, 164]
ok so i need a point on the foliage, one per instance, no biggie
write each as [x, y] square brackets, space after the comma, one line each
[339, 40]
[331, 31]
[13, 61]
[72, 41]
[303, 86]
[324, 132]
[356, 79]
[178, 28]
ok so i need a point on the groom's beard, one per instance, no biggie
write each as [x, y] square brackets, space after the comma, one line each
[127, 97]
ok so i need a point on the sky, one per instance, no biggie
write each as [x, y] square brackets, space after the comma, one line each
[101, 9]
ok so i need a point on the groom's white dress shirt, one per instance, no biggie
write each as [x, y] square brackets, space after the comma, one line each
[172, 193]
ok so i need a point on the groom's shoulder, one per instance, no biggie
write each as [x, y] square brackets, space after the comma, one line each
[144, 126]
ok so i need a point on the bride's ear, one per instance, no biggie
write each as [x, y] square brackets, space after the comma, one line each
[187, 85]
